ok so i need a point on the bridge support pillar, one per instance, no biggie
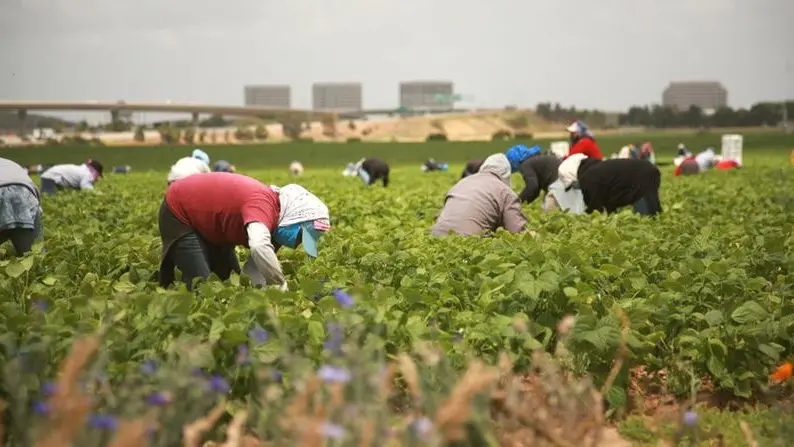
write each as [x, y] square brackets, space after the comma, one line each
[114, 118]
[194, 119]
[22, 115]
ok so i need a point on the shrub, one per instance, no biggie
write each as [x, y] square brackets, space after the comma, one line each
[243, 134]
[189, 135]
[436, 137]
[502, 135]
[354, 140]
[351, 125]
[260, 133]
[140, 137]
[523, 136]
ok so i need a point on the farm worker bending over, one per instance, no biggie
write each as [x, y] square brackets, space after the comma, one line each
[20, 208]
[583, 141]
[482, 202]
[71, 177]
[697, 164]
[432, 165]
[612, 184]
[539, 173]
[296, 168]
[372, 169]
[197, 163]
[203, 217]
[223, 166]
[520, 153]
[472, 167]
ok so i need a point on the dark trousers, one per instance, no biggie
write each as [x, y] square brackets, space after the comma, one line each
[195, 257]
[650, 205]
[48, 186]
[22, 238]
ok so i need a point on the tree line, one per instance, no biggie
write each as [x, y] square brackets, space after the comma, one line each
[658, 116]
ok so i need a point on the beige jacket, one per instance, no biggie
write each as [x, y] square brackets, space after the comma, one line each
[482, 202]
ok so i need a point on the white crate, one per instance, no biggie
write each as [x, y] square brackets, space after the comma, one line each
[732, 146]
[560, 148]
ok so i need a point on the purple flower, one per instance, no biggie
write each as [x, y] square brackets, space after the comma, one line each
[344, 300]
[102, 422]
[149, 367]
[336, 336]
[158, 399]
[218, 384]
[690, 418]
[276, 375]
[49, 388]
[42, 408]
[258, 335]
[332, 374]
[242, 355]
[333, 431]
[422, 426]
[40, 305]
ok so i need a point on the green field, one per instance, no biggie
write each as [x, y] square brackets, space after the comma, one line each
[708, 287]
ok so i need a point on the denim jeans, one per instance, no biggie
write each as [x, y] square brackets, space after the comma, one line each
[195, 257]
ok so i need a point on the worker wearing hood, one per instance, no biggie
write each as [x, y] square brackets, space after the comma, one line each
[204, 217]
[197, 163]
[610, 185]
[481, 203]
[583, 141]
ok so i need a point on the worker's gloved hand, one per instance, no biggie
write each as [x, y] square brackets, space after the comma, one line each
[283, 287]
[532, 233]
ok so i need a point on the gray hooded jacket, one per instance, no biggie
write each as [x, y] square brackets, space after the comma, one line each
[482, 202]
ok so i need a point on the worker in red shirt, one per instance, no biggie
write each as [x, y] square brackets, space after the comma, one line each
[583, 141]
[204, 217]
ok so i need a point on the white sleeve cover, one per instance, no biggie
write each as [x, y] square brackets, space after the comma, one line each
[264, 254]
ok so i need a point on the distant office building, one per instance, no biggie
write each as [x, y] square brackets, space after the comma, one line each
[426, 95]
[276, 96]
[708, 95]
[337, 96]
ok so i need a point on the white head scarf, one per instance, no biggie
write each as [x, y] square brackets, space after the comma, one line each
[568, 172]
[299, 205]
[497, 164]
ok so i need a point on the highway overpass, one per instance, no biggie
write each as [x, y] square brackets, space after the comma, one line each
[195, 110]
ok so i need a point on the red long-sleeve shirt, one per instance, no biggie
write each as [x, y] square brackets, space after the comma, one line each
[586, 146]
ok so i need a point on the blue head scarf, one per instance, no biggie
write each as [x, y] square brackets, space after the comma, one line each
[518, 153]
[581, 130]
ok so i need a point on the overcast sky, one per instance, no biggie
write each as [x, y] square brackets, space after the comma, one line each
[605, 54]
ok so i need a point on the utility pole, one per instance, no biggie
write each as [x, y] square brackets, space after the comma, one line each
[785, 102]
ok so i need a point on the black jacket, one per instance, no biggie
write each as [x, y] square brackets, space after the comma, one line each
[539, 172]
[377, 169]
[612, 184]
